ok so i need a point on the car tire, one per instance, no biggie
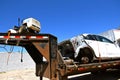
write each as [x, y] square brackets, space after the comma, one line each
[84, 59]
[85, 56]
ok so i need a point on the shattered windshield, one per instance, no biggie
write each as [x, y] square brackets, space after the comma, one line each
[89, 37]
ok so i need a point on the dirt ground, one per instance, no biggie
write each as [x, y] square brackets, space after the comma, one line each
[25, 74]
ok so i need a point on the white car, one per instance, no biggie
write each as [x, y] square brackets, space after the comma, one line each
[87, 48]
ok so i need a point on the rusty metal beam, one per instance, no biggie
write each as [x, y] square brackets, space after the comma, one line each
[38, 46]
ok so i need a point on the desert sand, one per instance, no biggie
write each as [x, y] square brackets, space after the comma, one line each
[24, 74]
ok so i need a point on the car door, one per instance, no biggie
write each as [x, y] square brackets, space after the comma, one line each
[98, 46]
[112, 50]
[101, 47]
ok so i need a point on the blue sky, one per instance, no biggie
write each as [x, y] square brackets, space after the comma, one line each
[62, 18]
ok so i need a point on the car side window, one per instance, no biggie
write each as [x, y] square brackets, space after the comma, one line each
[103, 39]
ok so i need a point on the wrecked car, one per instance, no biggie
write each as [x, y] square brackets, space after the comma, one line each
[87, 48]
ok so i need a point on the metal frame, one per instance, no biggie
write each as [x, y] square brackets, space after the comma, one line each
[41, 46]
[44, 45]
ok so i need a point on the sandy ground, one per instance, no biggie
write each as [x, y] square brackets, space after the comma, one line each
[24, 74]
[27, 74]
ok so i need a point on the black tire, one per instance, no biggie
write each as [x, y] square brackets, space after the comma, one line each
[84, 59]
[85, 56]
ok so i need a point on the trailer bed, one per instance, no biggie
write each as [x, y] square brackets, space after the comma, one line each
[41, 46]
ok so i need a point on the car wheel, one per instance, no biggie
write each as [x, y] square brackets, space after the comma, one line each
[85, 56]
[84, 59]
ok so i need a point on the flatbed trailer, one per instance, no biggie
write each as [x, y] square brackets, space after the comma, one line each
[55, 67]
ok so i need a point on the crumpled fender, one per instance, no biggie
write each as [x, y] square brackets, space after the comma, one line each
[79, 48]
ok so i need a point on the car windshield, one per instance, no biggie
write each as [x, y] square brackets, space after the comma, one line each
[89, 37]
[97, 38]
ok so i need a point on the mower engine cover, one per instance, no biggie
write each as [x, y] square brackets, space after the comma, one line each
[32, 24]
